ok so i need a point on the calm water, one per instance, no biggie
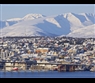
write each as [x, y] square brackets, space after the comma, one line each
[47, 74]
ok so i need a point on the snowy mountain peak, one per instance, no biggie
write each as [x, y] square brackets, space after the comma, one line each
[32, 16]
[27, 17]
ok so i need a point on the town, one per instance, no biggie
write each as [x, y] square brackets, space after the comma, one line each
[28, 53]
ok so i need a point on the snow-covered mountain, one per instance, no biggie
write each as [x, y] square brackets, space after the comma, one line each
[27, 17]
[85, 32]
[56, 25]
[12, 21]
[6, 23]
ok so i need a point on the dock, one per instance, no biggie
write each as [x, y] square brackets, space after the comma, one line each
[7, 66]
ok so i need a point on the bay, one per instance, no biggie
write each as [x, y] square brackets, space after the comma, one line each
[47, 74]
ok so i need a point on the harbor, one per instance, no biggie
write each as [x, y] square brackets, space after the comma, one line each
[22, 66]
[47, 74]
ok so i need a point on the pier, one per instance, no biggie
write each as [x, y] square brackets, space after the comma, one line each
[70, 67]
[8, 66]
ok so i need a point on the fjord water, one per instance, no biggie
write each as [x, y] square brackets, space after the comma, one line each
[47, 74]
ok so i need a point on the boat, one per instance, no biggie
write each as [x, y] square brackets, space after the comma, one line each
[15, 69]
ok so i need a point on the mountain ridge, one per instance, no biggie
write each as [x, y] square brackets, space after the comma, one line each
[55, 25]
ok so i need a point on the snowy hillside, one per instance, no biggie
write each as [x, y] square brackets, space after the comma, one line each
[7, 23]
[85, 32]
[39, 25]
[12, 21]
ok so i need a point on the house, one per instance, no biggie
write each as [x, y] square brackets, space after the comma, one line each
[42, 50]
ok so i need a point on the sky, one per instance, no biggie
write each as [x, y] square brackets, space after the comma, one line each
[8, 11]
